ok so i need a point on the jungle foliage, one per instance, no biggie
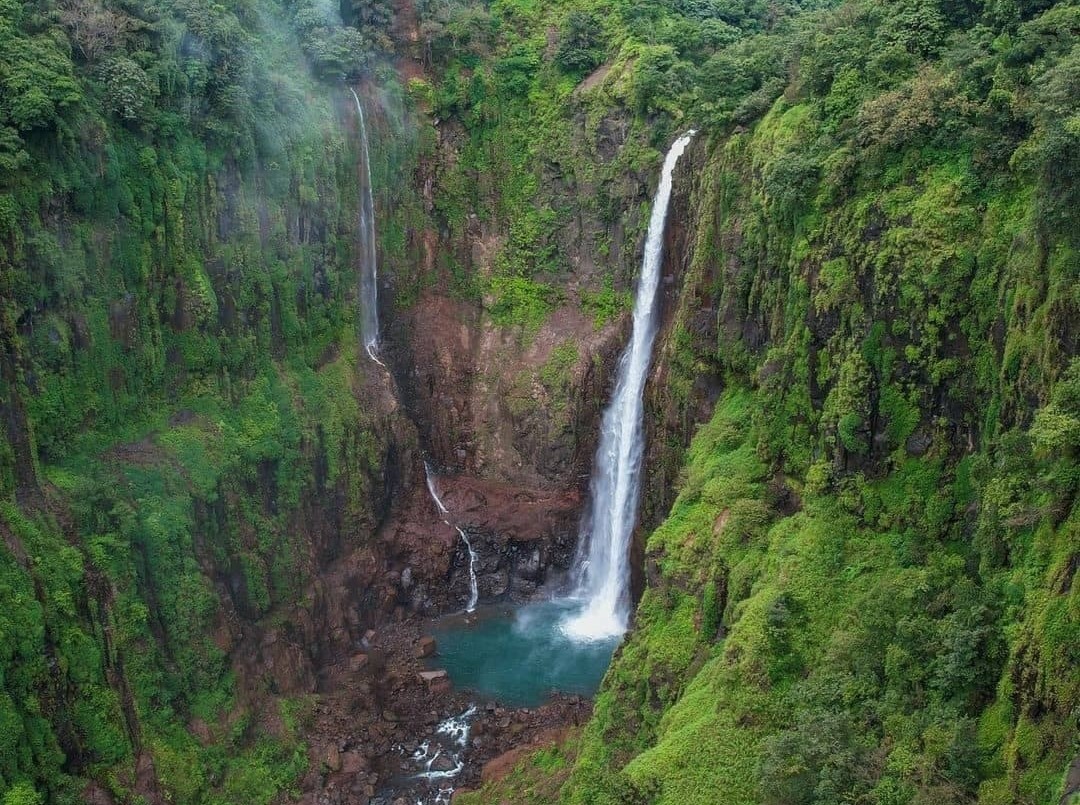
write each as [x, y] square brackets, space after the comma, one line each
[865, 591]
[177, 357]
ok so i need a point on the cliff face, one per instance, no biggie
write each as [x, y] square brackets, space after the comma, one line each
[829, 588]
[857, 581]
[865, 588]
[210, 496]
[196, 462]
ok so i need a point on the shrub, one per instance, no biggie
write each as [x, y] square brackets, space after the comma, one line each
[580, 43]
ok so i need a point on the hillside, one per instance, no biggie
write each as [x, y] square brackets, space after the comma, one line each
[858, 539]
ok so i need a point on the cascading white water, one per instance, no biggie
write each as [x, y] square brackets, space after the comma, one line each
[369, 286]
[430, 479]
[603, 568]
[450, 741]
[474, 587]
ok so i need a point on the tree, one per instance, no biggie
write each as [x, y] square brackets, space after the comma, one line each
[373, 14]
[128, 89]
[94, 29]
[36, 74]
[1056, 430]
[917, 25]
[22, 794]
[580, 43]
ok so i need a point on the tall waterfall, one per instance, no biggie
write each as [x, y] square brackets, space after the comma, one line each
[474, 587]
[616, 479]
[369, 288]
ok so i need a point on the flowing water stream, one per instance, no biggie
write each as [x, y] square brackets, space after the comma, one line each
[435, 762]
[369, 286]
[474, 588]
[603, 566]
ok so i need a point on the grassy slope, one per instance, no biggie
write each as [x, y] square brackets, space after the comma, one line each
[179, 297]
[865, 590]
[851, 668]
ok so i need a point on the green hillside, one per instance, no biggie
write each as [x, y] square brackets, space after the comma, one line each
[860, 530]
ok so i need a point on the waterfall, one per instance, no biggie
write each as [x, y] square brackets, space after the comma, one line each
[603, 570]
[369, 289]
[474, 587]
[430, 479]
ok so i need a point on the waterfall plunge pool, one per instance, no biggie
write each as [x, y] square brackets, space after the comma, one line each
[520, 655]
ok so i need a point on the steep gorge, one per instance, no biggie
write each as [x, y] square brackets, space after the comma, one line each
[217, 537]
[214, 495]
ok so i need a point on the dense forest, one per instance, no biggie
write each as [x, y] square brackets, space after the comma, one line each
[860, 537]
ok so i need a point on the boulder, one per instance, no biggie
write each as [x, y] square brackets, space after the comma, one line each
[440, 687]
[354, 763]
[333, 759]
[425, 647]
[443, 763]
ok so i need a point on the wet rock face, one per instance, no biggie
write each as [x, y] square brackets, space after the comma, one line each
[528, 564]
[510, 570]
[523, 538]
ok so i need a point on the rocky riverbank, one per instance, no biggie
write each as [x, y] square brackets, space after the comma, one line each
[375, 708]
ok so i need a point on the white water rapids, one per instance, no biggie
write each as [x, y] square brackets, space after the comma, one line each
[474, 588]
[449, 742]
[603, 568]
[369, 286]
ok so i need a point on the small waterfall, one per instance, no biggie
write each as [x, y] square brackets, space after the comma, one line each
[474, 587]
[603, 570]
[369, 287]
[430, 479]
[450, 741]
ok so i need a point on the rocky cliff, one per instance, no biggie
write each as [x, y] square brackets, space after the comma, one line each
[857, 579]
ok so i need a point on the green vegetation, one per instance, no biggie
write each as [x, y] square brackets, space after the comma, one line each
[864, 654]
[606, 304]
[865, 590]
[178, 371]
[534, 780]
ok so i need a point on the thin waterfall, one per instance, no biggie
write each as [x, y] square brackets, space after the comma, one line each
[474, 586]
[603, 567]
[369, 286]
[430, 479]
